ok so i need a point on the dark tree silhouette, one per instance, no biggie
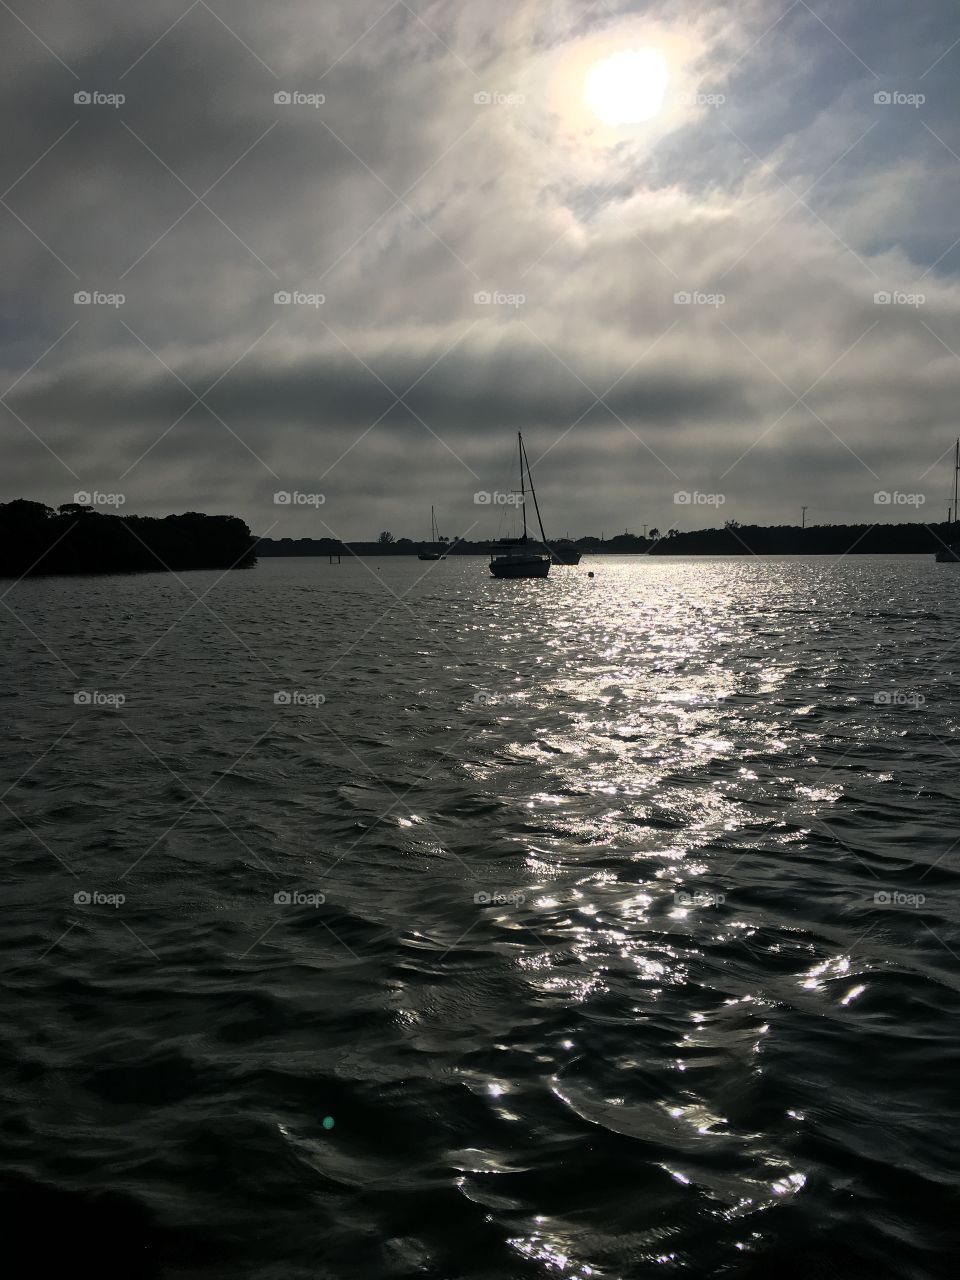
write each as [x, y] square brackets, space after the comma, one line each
[77, 539]
[22, 511]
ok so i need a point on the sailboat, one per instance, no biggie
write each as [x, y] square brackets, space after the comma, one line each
[951, 554]
[517, 557]
[435, 539]
[563, 551]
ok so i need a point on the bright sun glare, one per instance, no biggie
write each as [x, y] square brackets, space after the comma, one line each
[627, 87]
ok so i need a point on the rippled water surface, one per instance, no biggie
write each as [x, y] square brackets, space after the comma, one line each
[589, 927]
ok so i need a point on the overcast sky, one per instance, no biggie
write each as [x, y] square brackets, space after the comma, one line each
[455, 155]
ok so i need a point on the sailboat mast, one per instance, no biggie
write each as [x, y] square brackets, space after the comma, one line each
[956, 478]
[523, 492]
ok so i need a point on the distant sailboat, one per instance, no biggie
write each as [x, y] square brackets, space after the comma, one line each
[435, 539]
[515, 557]
[951, 554]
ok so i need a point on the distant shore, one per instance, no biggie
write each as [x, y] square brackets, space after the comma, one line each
[733, 539]
[36, 539]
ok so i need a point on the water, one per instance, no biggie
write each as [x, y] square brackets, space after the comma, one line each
[600, 984]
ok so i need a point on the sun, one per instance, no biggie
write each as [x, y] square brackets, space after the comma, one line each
[628, 87]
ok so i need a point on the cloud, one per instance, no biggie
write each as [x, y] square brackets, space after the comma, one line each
[400, 199]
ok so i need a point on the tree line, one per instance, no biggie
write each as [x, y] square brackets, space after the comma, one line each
[76, 538]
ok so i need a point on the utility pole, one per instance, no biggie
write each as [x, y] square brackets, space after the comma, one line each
[956, 478]
[803, 518]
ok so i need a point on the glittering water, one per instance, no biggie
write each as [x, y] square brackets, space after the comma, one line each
[476, 928]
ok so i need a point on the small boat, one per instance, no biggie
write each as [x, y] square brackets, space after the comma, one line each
[565, 552]
[435, 539]
[520, 557]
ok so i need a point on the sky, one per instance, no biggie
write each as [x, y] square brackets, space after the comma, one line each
[317, 264]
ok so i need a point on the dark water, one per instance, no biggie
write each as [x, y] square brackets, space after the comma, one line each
[679, 1033]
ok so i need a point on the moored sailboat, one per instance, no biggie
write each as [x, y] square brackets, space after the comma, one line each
[950, 554]
[520, 557]
[563, 551]
[435, 539]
